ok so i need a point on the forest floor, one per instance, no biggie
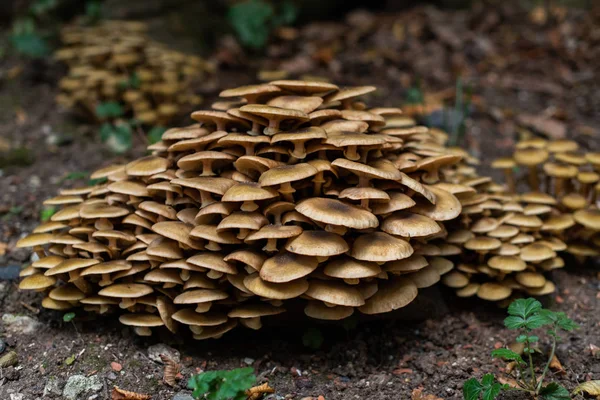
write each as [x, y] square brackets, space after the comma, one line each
[525, 73]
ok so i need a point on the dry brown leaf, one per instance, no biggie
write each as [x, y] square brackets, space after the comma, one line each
[256, 392]
[417, 394]
[508, 381]
[120, 394]
[595, 350]
[171, 370]
[556, 365]
[590, 387]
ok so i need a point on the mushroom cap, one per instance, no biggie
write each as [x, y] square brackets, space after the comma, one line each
[286, 173]
[548, 288]
[305, 87]
[213, 261]
[306, 104]
[248, 191]
[209, 184]
[126, 290]
[35, 239]
[382, 170]
[275, 291]
[530, 279]
[275, 232]
[188, 316]
[319, 310]
[507, 263]
[560, 170]
[107, 267]
[538, 198]
[482, 243]
[380, 247]
[408, 224]
[250, 90]
[503, 163]
[52, 304]
[536, 252]
[493, 291]
[317, 243]
[529, 157]
[397, 201]
[446, 207]
[286, 267]
[71, 264]
[147, 166]
[410, 264]
[562, 146]
[177, 231]
[525, 221]
[37, 282]
[270, 112]
[215, 331]
[47, 262]
[198, 296]
[254, 310]
[141, 320]
[590, 218]
[350, 268]
[468, 291]
[425, 277]
[574, 201]
[455, 280]
[333, 292]
[196, 161]
[392, 295]
[66, 293]
[349, 92]
[335, 212]
[558, 222]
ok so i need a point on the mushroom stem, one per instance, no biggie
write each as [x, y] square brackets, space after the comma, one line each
[510, 179]
[271, 245]
[252, 323]
[212, 274]
[286, 191]
[534, 181]
[351, 153]
[318, 183]
[299, 150]
[39, 251]
[254, 131]
[105, 281]
[212, 246]
[364, 203]
[243, 233]
[207, 168]
[558, 186]
[205, 198]
[249, 206]
[142, 331]
[169, 198]
[203, 307]
[78, 281]
[273, 127]
[340, 230]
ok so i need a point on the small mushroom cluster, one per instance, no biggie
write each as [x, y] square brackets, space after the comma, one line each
[570, 178]
[286, 193]
[116, 61]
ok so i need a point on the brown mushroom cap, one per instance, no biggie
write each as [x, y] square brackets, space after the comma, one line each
[286, 267]
[536, 252]
[380, 247]
[276, 291]
[493, 291]
[392, 295]
[507, 263]
[336, 293]
[335, 212]
[590, 218]
[126, 290]
[37, 282]
[407, 224]
[317, 243]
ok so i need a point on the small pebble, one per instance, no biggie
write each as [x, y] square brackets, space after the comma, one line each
[248, 361]
[2, 346]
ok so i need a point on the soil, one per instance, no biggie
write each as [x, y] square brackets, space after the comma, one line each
[436, 347]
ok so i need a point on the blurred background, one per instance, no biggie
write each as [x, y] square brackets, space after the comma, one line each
[87, 82]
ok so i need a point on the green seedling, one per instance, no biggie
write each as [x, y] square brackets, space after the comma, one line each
[222, 385]
[525, 316]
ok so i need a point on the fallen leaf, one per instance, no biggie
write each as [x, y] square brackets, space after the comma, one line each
[256, 392]
[120, 394]
[172, 369]
[402, 371]
[590, 387]
[595, 350]
[116, 366]
[554, 128]
[417, 394]
[3, 247]
[556, 365]
[508, 381]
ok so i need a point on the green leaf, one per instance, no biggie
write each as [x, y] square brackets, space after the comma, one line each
[553, 391]
[472, 389]
[155, 134]
[30, 44]
[536, 321]
[118, 137]
[47, 213]
[514, 322]
[70, 360]
[68, 317]
[507, 354]
[313, 338]
[93, 11]
[487, 380]
[492, 391]
[221, 385]
[250, 20]
[524, 307]
[109, 109]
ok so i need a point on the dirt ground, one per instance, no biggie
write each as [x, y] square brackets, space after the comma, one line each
[548, 84]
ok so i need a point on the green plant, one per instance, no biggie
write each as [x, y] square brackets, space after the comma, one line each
[46, 213]
[155, 134]
[525, 316]
[253, 20]
[222, 385]
[27, 40]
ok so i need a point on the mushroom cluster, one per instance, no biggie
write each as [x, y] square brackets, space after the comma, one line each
[115, 61]
[569, 181]
[287, 193]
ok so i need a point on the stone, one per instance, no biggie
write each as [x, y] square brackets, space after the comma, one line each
[182, 396]
[53, 387]
[20, 324]
[248, 361]
[156, 350]
[17, 396]
[79, 384]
